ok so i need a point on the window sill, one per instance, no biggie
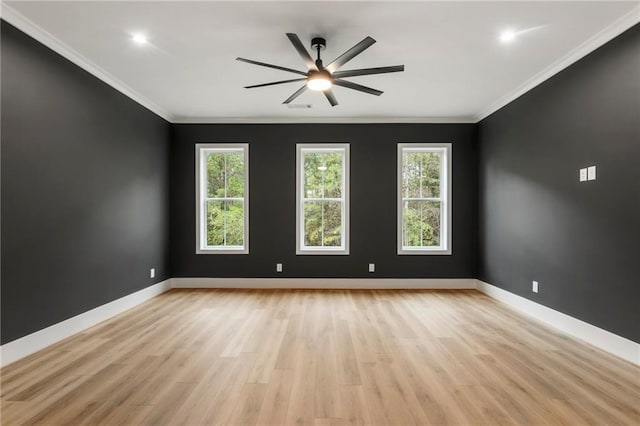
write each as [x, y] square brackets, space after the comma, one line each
[222, 251]
[424, 252]
[322, 252]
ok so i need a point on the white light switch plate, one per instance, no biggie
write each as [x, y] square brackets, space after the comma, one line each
[278, 267]
[583, 175]
[591, 173]
[534, 286]
[372, 267]
[152, 273]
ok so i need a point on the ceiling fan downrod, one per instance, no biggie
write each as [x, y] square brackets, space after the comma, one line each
[319, 44]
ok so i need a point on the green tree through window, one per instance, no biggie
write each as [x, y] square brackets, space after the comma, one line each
[322, 198]
[223, 201]
[423, 202]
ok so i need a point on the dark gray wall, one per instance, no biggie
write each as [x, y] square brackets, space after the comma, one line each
[85, 200]
[537, 222]
[272, 173]
[84, 190]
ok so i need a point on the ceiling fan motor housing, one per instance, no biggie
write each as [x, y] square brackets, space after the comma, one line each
[318, 42]
[320, 74]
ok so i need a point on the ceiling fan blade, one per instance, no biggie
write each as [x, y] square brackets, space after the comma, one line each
[296, 94]
[350, 54]
[274, 83]
[368, 71]
[331, 97]
[277, 67]
[358, 87]
[293, 38]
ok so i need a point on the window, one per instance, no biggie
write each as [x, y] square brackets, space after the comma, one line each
[222, 197]
[322, 186]
[424, 198]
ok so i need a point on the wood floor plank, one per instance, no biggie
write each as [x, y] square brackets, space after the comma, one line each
[248, 404]
[301, 410]
[276, 401]
[320, 357]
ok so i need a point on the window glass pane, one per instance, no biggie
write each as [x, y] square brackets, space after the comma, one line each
[229, 165]
[323, 174]
[225, 223]
[322, 223]
[215, 223]
[411, 174]
[421, 227]
[234, 222]
[313, 223]
[332, 211]
[313, 175]
[235, 174]
[430, 174]
[421, 174]
[215, 175]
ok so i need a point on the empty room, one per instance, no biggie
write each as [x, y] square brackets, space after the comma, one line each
[320, 213]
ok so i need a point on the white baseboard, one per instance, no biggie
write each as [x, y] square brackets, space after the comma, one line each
[326, 283]
[598, 337]
[33, 342]
[603, 339]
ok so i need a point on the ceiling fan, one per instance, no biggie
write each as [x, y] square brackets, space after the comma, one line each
[319, 77]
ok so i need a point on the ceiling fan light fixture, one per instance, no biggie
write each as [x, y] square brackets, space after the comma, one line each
[319, 80]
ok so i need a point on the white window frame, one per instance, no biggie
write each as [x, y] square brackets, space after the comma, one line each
[301, 249]
[445, 198]
[202, 149]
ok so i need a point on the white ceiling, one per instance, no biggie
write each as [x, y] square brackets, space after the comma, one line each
[456, 68]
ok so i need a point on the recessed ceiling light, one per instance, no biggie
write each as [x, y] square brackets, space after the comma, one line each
[507, 36]
[139, 38]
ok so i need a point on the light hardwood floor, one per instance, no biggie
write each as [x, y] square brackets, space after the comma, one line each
[280, 357]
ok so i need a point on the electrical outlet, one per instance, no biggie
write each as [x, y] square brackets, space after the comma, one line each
[534, 286]
[591, 173]
[278, 267]
[583, 174]
[152, 273]
[372, 267]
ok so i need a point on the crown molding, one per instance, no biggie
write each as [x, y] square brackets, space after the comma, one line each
[28, 27]
[33, 30]
[323, 120]
[619, 26]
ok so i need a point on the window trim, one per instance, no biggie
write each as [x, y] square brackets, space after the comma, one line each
[300, 249]
[443, 249]
[200, 178]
